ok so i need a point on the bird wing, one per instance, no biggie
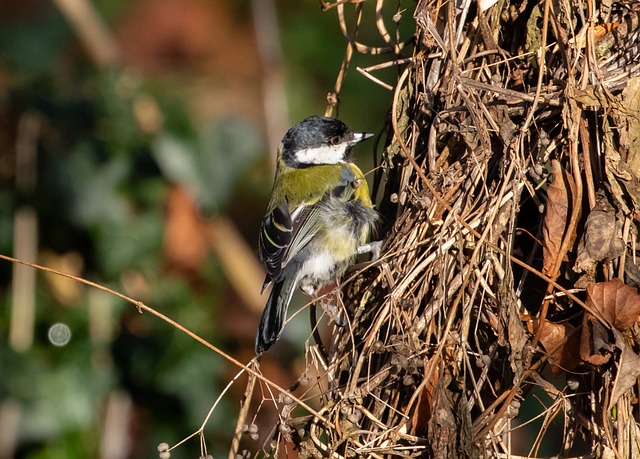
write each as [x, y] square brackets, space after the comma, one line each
[305, 228]
[284, 234]
[275, 236]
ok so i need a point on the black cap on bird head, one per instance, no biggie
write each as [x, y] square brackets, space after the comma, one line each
[319, 140]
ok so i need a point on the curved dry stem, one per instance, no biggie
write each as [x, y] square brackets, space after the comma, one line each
[144, 308]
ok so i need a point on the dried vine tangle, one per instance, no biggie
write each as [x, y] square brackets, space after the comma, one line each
[506, 158]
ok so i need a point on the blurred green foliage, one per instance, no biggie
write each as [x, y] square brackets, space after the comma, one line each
[31, 45]
[102, 189]
[211, 167]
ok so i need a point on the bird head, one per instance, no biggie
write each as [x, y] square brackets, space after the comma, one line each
[319, 140]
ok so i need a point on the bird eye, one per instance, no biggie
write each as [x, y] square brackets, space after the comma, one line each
[334, 140]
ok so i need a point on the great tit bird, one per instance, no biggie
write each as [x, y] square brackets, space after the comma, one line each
[319, 216]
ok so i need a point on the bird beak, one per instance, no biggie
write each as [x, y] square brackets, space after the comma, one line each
[359, 137]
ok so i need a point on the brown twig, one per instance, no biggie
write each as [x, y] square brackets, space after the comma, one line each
[144, 308]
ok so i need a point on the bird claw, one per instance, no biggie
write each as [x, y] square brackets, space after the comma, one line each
[373, 248]
[335, 314]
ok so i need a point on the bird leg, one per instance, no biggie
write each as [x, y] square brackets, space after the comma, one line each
[313, 317]
[332, 312]
[330, 307]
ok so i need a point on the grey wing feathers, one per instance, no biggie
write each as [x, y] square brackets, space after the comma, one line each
[283, 235]
[305, 227]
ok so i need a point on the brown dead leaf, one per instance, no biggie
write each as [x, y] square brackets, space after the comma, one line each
[595, 342]
[631, 273]
[625, 185]
[619, 306]
[622, 158]
[517, 335]
[628, 370]
[593, 96]
[627, 117]
[442, 432]
[562, 344]
[618, 303]
[424, 407]
[559, 202]
[602, 237]
[616, 177]
[600, 31]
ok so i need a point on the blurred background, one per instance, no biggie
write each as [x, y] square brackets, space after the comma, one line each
[136, 151]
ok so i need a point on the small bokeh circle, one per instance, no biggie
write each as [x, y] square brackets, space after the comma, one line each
[59, 334]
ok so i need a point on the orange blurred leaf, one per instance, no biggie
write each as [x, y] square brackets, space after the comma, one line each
[185, 234]
[66, 291]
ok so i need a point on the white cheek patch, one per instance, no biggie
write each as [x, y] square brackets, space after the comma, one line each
[325, 154]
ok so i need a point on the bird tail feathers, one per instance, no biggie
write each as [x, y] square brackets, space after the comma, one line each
[275, 313]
